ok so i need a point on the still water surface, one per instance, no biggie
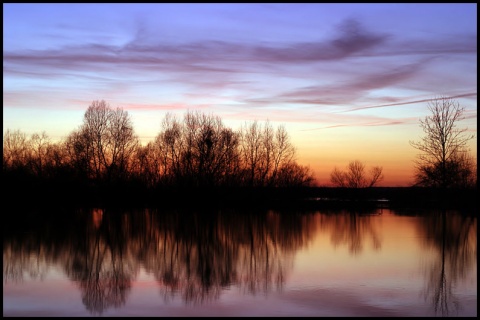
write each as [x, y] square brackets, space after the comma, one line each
[153, 262]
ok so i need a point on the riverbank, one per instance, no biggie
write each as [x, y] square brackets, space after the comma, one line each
[308, 197]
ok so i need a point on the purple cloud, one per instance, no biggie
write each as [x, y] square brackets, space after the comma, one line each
[345, 59]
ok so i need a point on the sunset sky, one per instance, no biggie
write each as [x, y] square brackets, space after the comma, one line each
[348, 81]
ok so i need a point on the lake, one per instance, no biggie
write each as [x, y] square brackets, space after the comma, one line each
[239, 262]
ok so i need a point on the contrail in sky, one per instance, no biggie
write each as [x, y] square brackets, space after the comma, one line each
[410, 102]
[389, 105]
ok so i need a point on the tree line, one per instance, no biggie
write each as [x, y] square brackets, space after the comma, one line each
[196, 151]
[200, 151]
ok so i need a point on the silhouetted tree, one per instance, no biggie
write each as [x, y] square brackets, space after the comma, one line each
[252, 151]
[465, 170]
[80, 154]
[106, 141]
[15, 149]
[38, 153]
[355, 176]
[169, 144]
[442, 146]
[56, 163]
[264, 151]
[208, 144]
[292, 174]
[199, 151]
[148, 165]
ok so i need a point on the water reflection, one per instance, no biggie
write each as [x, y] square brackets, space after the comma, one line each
[453, 238]
[353, 228]
[196, 255]
[101, 262]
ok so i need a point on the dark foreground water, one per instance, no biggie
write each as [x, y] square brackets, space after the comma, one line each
[241, 262]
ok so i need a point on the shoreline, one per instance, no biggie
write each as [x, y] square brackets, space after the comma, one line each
[302, 197]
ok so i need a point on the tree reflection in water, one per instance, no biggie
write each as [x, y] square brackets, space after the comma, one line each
[195, 255]
[101, 263]
[455, 244]
[198, 254]
[192, 254]
[353, 227]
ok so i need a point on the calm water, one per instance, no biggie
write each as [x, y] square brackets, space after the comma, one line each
[240, 263]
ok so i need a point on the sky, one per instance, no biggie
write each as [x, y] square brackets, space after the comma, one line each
[348, 81]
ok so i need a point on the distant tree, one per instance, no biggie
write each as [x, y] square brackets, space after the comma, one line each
[200, 151]
[79, 154]
[209, 148]
[338, 178]
[293, 174]
[252, 151]
[39, 145]
[355, 176]
[148, 165]
[15, 149]
[282, 154]
[105, 144]
[443, 145]
[169, 145]
[57, 165]
[264, 151]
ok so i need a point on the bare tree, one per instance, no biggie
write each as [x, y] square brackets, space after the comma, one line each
[106, 141]
[252, 151]
[123, 143]
[465, 170]
[148, 164]
[355, 176]
[15, 149]
[376, 175]
[200, 151]
[442, 144]
[80, 154]
[229, 160]
[283, 154]
[264, 151]
[56, 164]
[39, 145]
[292, 174]
[169, 144]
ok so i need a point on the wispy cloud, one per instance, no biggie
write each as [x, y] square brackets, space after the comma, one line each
[386, 122]
[347, 91]
[356, 61]
[211, 56]
[463, 95]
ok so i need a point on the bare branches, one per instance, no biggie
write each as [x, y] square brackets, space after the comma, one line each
[338, 178]
[355, 176]
[264, 152]
[376, 176]
[196, 152]
[107, 141]
[442, 143]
